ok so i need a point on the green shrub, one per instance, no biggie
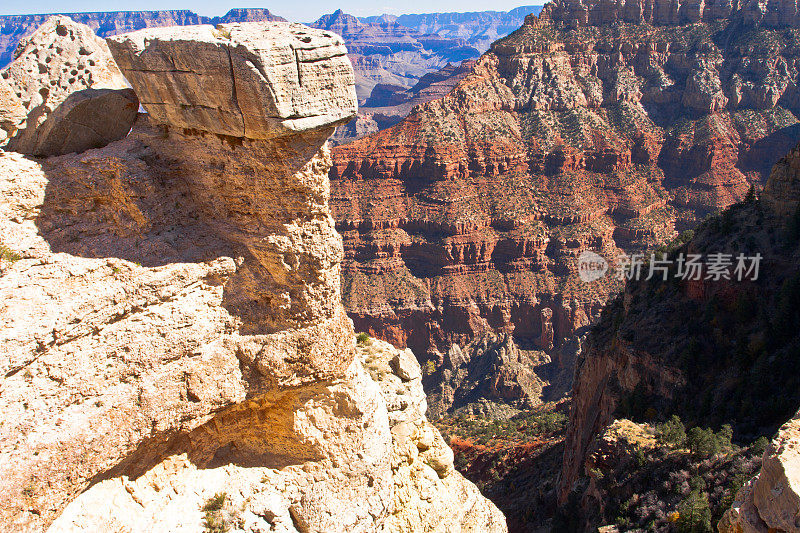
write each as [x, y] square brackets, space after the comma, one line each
[7, 254]
[429, 368]
[362, 339]
[213, 521]
[705, 443]
[672, 432]
[759, 446]
[694, 514]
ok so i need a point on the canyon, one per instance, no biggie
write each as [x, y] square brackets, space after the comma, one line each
[182, 289]
[596, 127]
[174, 348]
[711, 352]
[390, 53]
[479, 28]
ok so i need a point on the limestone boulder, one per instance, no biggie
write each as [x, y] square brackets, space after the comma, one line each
[41, 115]
[90, 118]
[405, 365]
[253, 80]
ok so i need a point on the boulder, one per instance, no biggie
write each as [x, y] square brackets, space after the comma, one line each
[249, 80]
[90, 118]
[59, 59]
[405, 365]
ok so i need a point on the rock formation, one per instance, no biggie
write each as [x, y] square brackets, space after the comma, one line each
[174, 348]
[65, 94]
[493, 377]
[771, 500]
[605, 132]
[228, 82]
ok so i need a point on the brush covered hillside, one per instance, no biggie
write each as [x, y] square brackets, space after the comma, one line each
[718, 354]
[597, 126]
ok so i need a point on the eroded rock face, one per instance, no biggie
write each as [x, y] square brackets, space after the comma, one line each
[73, 94]
[491, 374]
[171, 329]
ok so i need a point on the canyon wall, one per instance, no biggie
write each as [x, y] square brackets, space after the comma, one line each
[479, 28]
[606, 132]
[712, 352]
[174, 348]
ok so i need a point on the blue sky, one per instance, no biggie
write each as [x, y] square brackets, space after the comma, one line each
[300, 11]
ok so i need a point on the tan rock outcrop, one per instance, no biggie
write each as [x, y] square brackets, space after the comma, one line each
[73, 94]
[12, 112]
[771, 500]
[244, 80]
[171, 328]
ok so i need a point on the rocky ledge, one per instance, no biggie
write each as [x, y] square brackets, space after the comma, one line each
[175, 352]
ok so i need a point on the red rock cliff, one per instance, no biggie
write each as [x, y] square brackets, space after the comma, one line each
[600, 126]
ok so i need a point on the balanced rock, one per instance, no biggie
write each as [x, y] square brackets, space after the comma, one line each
[59, 59]
[253, 80]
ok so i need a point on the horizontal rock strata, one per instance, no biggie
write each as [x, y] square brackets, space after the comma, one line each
[608, 134]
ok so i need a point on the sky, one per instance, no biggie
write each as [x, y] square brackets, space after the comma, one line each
[299, 11]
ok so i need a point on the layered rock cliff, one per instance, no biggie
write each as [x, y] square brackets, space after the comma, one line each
[388, 52]
[478, 28]
[175, 352]
[713, 351]
[600, 132]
